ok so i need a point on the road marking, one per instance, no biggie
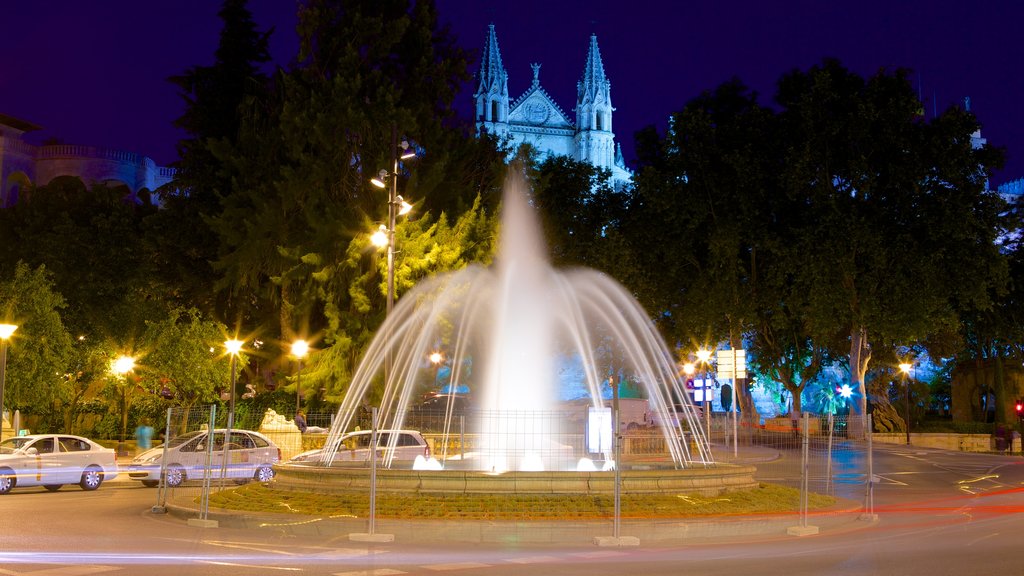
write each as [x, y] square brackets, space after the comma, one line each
[456, 566]
[534, 560]
[599, 554]
[262, 566]
[374, 572]
[63, 571]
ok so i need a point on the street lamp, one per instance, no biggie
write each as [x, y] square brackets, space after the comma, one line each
[704, 356]
[121, 366]
[436, 359]
[397, 206]
[299, 350]
[906, 368]
[233, 347]
[6, 331]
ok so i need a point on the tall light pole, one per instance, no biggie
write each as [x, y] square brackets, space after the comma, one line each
[905, 368]
[436, 359]
[704, 356]
[121, 367]
[396, 207]
[299, 350]
[6, 331]
[233, 347]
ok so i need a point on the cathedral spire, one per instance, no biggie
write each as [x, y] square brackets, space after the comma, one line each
[594, 79]
[492, 89]
[492, 73]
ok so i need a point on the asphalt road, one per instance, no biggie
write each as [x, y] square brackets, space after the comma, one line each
[937, 513]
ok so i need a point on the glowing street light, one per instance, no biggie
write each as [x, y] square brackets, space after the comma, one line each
[397, 206]
[6, 331]
[121, 366]
[234, 347]
[704, 356]
[905, 368]
[436, 358]
[299, 350]
[380, 237]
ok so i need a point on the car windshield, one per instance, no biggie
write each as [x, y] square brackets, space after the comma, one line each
[11, 444]
[179, 440]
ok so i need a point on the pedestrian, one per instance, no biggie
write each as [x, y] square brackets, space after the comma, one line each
[300, 421]
[143, 437]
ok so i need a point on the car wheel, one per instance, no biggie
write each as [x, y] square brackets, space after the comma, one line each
[91, 478]
[150, 483]
[7, 481]
[264, 474]
[53, 487]
[175, 476]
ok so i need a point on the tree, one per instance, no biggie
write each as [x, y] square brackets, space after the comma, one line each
[219, 100]
[897, 225]
[701, 219]
[184, 353]
[368, 73]
[40, 352]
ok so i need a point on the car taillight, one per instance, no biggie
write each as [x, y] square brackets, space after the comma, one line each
[278, 454]
[426, 450]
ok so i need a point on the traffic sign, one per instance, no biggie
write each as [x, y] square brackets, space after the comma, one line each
[731, 363]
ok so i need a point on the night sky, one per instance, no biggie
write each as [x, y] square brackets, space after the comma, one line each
[94, 71]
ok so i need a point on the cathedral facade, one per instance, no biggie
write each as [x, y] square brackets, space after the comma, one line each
[534, 118]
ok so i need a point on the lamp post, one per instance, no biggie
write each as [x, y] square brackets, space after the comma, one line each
[121, 367]
[905, 368]
[6, 331]
[436, 359]
[704, 356]
[396, 207]
[233, 347]
[299, 350]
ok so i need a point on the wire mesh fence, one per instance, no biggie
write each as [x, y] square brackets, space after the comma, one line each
[199, 455]
[825, 459]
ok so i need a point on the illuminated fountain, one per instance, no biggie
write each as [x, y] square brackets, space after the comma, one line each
[512, 321]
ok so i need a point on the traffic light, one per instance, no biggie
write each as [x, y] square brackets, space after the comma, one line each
[1020, 407]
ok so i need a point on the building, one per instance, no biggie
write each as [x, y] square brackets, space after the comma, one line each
[23, 165]
[534, 118]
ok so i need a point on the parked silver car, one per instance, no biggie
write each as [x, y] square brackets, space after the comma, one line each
[247, 456]
[401, 445]
[52, 460]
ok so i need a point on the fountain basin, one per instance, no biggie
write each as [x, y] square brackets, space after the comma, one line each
[711, 481]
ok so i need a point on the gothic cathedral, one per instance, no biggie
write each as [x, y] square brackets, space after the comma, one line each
[536, 119]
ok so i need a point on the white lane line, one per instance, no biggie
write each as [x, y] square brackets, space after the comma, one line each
[64, 570]
[600, 554]
[534, 560]
[456, 566]
[263, 567]
[374, 572]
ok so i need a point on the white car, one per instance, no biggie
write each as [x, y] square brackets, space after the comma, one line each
[52, 460]
[248, 456]
[355, 447]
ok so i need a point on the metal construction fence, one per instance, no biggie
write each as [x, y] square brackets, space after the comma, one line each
[204, 452]
[823, 455]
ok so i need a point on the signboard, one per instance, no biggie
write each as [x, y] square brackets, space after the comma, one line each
[599, 430]
[731, 363]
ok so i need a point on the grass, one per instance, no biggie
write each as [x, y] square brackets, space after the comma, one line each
[264, 498]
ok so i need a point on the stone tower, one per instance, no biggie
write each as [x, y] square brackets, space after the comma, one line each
[595, 141]
[492, 89]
